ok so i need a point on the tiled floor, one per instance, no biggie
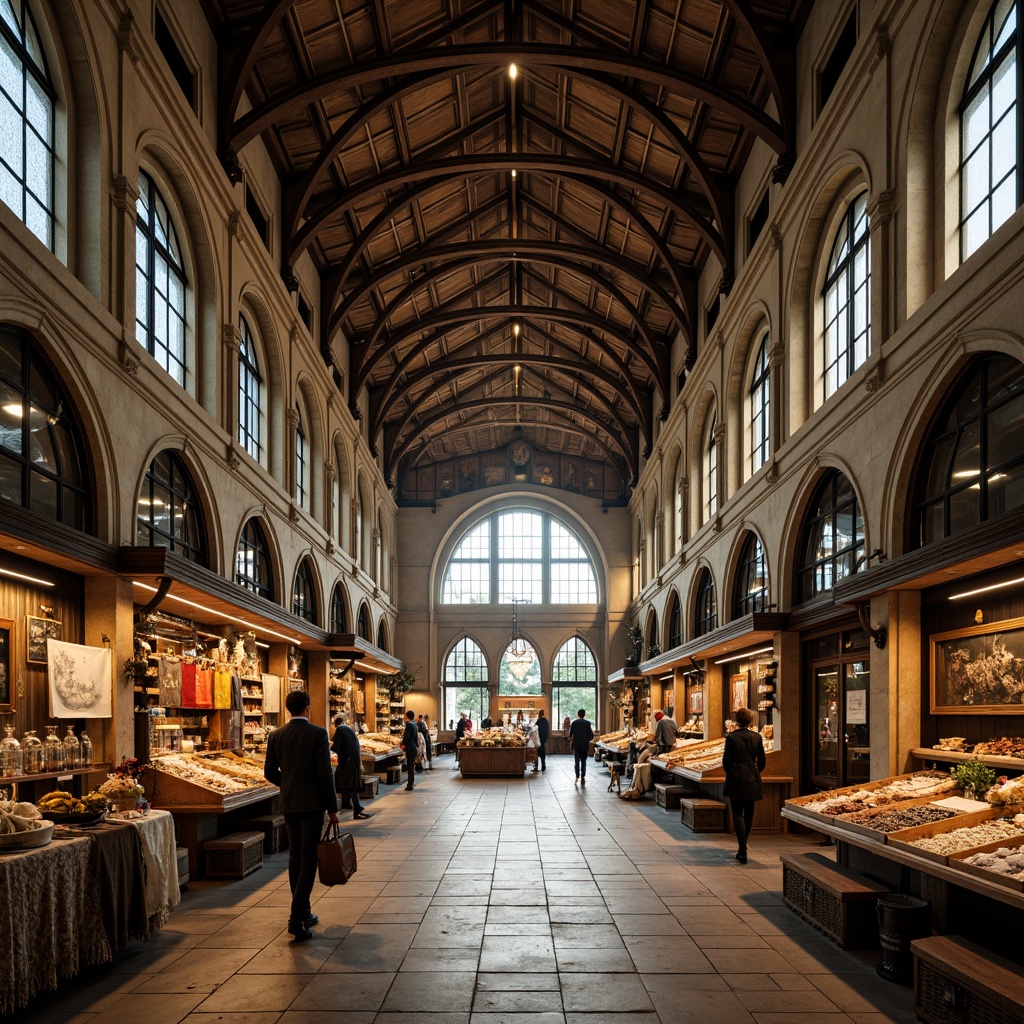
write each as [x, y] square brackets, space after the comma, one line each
[492, 901]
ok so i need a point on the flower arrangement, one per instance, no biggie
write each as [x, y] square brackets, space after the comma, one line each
[125, 781]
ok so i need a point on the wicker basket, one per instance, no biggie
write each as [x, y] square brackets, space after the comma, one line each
[125, 803]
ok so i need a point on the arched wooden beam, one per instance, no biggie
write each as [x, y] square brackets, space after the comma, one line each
[503, 163]
[579, 62]
[401, 446]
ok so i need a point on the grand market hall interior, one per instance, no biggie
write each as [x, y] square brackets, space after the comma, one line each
[649, 369]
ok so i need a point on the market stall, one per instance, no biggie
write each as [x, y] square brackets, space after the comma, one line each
[492, 752]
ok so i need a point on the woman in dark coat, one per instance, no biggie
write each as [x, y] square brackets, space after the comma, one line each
[743, 762]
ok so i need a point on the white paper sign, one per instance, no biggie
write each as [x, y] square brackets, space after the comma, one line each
[856, 707]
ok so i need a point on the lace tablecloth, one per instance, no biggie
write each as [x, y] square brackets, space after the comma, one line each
[160, 852]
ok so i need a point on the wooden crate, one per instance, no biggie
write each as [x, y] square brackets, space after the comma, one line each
[369, 787]
[800, 803]
[234, 856]
[275, 834]
[181, 854]
[701, 815]
[903, 840]
[958, 860]
[957, 982]
[668, 795]
[838, 902]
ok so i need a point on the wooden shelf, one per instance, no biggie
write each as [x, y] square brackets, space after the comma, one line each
[7, 780]
[956, 756]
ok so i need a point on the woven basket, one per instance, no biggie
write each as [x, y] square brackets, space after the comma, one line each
[125, 803]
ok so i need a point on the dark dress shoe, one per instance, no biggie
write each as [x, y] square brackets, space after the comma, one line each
[299, 932]
[361, 814]
[408, 789]
[310, 920]
[741, 857]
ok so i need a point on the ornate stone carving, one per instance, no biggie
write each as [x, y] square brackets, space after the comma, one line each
[878, 49]
[127, 39]
[234, 223]
[125, 194]
[230, 337]
[128, 356]
[234, 460]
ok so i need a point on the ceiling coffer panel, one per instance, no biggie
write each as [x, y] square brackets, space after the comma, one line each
[511, 255]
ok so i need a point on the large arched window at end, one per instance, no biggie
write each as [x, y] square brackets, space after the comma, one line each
[675, 622]
[339, 610]
[167, 511]
[250, 392]
[832, 545]
[160, 282]
[990, 140]
[27, 101]
[252, 561]
[304, 593]
[710, 472]
[519, 555]
[519, 669]
[42, 455]
[751, 586]
[972, 467]
[574, 681]
[465, 684]
[847, 298]
[760, 408]
[705, 613]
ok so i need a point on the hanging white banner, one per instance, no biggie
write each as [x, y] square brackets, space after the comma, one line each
[79, 680]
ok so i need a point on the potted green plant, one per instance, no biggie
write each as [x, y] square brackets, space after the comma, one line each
[974, 777]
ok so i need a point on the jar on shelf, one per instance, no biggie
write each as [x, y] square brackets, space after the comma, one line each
[53, 751]
[86, 750]
[10, 754]
[72, 750]
[31, 753]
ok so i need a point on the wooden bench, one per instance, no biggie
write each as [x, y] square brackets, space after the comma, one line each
[275, 834]
[392, 776]
[181, 854]
[955, 980]
[234, 856]
[369, 787]
[699, 814]
[668, 795]
[838, 902]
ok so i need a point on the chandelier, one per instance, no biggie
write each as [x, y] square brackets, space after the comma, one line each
[519, 654]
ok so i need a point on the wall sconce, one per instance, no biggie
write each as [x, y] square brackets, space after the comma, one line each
[879, 634]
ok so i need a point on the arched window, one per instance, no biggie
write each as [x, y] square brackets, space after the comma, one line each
[465, 683]
[301, 462]
[675, 622]
[304, 593]
[252, 561]
[27, 101]
[518, 670]
[339, 614]
[160, 282]
[167, 512]
[833, 537]
[710, 473]
[847, 297]
[972, 467]
[42, 456]
[363, 627]
[760, 400]
[250, 392]
[751, 587]
[651, 635]
[989, 137]
[574, 680]
[705, 615]
[382, 636]
[521, 555]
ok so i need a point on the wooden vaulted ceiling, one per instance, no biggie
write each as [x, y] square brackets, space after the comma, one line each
[508, 256]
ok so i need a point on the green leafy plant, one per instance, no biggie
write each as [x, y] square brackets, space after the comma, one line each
[399, 683]
[973, 775]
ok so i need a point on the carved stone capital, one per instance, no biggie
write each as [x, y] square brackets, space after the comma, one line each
[329, 472]
[231, 337]
[294, 514]
[291, 418]
[329, 547]
[128, 39]
[720, 435]
[234, 223]
[776, 354]
[716, 524]
[234, 460]
[880, 208]
[128, 356]
[879, 48]
[125, 194]
[771, 474]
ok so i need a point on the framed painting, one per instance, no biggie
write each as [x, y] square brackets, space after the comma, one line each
[6, 675]
[978, 670]
[740, 684]
[39, 631]
[695, 700]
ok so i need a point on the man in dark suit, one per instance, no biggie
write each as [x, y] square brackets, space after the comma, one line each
[348, 775]
[411, 746]
[299, 761]
[581, 732]
[543, 735]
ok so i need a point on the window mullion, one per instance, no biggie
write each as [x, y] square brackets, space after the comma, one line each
[545, 561]
[494, 559]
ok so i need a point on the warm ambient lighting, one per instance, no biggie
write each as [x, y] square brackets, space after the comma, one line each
[211, 611]
[513, 71]
[30, 579]
[745, 654]
[513, 172]
[515, 330]
[13, 409]
[984, 590]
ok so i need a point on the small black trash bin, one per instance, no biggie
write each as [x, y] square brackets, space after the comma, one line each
[901, 919]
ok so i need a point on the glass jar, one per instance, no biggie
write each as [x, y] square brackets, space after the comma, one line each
[86, 750]
[72, 750]
[31, 753]
[10, 754]
[53, 751]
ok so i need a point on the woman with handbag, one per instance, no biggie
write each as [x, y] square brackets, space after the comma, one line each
[743, 761]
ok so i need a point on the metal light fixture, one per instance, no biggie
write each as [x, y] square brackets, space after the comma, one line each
[519, 654]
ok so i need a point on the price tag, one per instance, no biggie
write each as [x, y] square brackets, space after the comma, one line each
[64, 778]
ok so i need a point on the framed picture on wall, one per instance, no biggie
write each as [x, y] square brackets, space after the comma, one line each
[6, 676]
[740, 690]
[39, 631]
[695, 700]
[978, 670]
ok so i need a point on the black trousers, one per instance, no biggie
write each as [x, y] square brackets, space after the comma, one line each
[304, 831]
[742, 820]
[542, 753]
[579, 762]
[410, 766]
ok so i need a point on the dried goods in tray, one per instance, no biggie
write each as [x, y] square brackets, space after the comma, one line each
[946, 843]
[899, 817]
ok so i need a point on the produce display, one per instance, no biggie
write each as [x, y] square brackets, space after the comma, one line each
[194, 770]
[58, 804]
[493, 738]
[1006, 860]
[1006, 791]
[19, 817]
[994, 831]
[899, 818]
[920, 785]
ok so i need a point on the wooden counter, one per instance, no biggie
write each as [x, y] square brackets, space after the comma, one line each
[476, 761]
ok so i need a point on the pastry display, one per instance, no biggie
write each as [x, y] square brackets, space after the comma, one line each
[236, 765]
[921, 784]
[192, 769]
[19, 817]
[699, 755]
[994, 831]
[1006, 746]
[377, 743]
[899, 818]
[493, 738]
[62, 807]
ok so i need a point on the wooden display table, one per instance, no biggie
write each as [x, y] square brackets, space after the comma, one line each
[476, 761]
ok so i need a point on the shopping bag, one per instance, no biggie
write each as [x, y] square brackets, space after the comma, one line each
[336, 856]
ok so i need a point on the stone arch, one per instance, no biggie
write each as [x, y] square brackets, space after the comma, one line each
[253, 302]
[259, 513]
[308, 555]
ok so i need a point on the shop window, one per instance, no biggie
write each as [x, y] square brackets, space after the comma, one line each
[705, 616]
[751, 593]
[990, 140]
[27, 101]
[675, 623]
[972, 468]
[760, 408]
[250, 392]
[252, 561]
[710, 474]
[339, 613]
[42, 455]
[304, 593]
[832, 546]
[167, 511]
[847, 298]
[519, 555]
[160, 282]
